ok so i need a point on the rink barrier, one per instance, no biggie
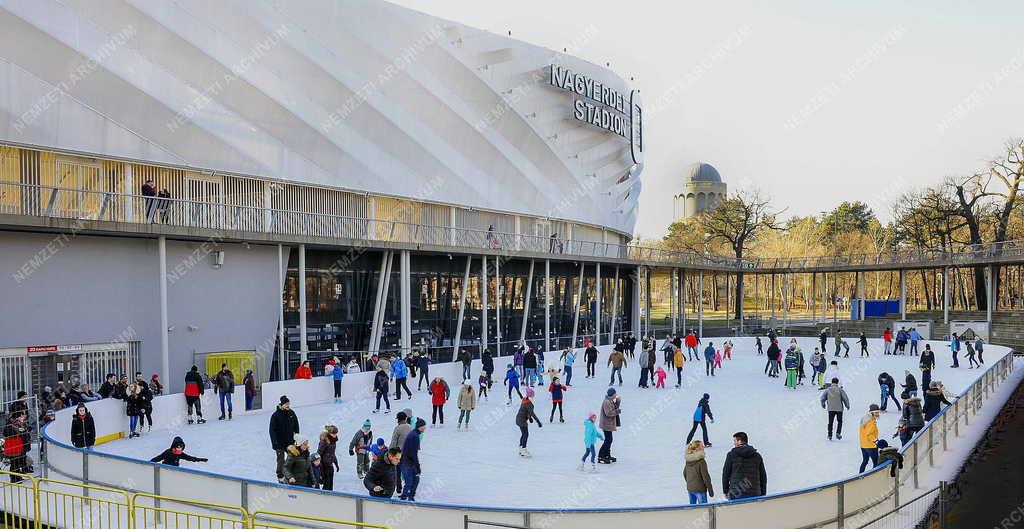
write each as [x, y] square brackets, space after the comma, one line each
[839, 504]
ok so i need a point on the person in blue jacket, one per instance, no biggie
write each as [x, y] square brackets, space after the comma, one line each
[400, 372]
[700, 416]
[954, 347]
[590, 436]
[337, 373]
[423, 364]
[512, 381]
[410, 464]
[709, 360]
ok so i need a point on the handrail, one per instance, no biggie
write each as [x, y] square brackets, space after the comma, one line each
[63, 202]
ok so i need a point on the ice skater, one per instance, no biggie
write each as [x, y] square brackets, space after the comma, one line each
[659, 376]
[727, 350]
[380, 386]
[695, 473]
[439, 394]
[590, 355]
[423, 366]
[512, 381]
[887, 386]
[400, 373]
[792, 365]
[833, 400]
[557, 391]
[466, 402]
[524, 417]
[359, 447]
[678, 360]
[568, 358]
[757, 343]
[864, 345]
[709, 360]
[485, 383]
[617, 361]
[173, 455]
[609, 422]
[590, 437]
[701, 415]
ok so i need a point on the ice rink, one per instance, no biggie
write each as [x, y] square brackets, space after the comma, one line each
[482, 467]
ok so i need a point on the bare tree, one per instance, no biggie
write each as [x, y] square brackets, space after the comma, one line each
[738, 222]
[1008, 169]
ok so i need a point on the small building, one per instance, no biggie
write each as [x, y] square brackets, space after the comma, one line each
[703, 189]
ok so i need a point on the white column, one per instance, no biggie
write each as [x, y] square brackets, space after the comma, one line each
[700, 305]
[497, 302]
[814, 297]
[303, 346]
[405, 299]
[682, 298]
[282, 356]
[615, 307]
[462, 310]
[861, 304]
[165, 355]
[576, 308]
[945, 295]
[483, 300]
[635, 324]
[990, 287]
[597, 306]
[129, 189]
[379, 301]
[547, 305]
[526, 302]
[268, 205]
[903, 294]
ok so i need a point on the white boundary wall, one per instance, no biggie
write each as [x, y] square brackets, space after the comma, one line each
[842, 504]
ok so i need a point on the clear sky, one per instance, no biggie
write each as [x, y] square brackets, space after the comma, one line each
[812, 101]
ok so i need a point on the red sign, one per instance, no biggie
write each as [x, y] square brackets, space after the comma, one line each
[43, 349]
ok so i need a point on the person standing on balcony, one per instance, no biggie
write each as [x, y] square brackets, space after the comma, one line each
[163, 204]
[149, 192]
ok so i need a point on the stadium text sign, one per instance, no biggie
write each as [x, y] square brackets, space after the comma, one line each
[602, 106]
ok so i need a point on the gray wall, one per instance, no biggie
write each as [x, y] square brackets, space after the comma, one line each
[98, 289]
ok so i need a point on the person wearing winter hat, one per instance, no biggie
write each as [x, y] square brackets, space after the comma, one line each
[590, 437]
[326, 451]
[696, 475]
[889, 453]
[173, 455]
[284, 424]
[297, 469]
[700, 415]
[194, 388]
[557, 391]
[467, 402]
[410, 466]
[359, 446]
[608, 423]
[377, 449]
[933, 400]
[869, 436]
[524, 417]
[155, 385]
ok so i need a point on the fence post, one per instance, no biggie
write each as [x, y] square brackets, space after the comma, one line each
[896, 488]
[711, 517]
[359, 512]
[931, 447]
[245, 495]
[915, 462]
[945, 430]
[156, 486]
[526, 519]
[840, 509]
[85, 473]
[942, 505]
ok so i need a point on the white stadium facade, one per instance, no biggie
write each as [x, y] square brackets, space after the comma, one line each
[370, 121]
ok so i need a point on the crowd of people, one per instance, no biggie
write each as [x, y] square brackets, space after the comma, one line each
[393, 468]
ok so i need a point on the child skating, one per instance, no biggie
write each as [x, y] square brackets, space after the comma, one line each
[485, 382]
[556, 389]
[512, 381]
[359, 446]
[659, 377]
[590, 436]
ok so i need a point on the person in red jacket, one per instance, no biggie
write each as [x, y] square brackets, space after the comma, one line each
[887, 338]
[439, 393]
[691, 345]
[303, 371]
[193, 393]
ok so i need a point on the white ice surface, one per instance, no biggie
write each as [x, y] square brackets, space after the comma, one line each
[481, 466]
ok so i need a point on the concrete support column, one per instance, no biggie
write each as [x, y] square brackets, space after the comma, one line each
[771, 298]
[615, 307]
[814, 297]
[990, 292]
[672, 300]
[597, 306]
[497, 304]
[483, 300]
[700, 305]
[576, 308]
[303, 346]
[405, 285]
[527, 302]
[547, 304]
[165, 355]
[282, 355]
[129, 188]
[462, 310]
[945, 295]
[635, 324]
[903, 294]
[682, 298]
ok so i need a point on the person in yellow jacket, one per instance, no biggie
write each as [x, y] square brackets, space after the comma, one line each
[869, 436]
[678, 359]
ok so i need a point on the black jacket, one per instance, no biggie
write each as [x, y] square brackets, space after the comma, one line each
[911, 383]
[382, 473]
[927, 359]
[774, 352]
[134, 405]
[83, 431]
[590, 355]
[297, 467]
[487, 361]
[106, 390]
[933, 398]
[743, 475]
[886, 379]
[168, 457]
[529, 360]
[380, 382]
[284, 424]
[224, 381]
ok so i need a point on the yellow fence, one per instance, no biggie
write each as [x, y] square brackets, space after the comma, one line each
[31, 503]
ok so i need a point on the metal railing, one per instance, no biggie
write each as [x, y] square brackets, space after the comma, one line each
[39, 503]
[92, 205]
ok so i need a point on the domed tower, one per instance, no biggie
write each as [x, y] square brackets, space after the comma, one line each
[703, 188]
